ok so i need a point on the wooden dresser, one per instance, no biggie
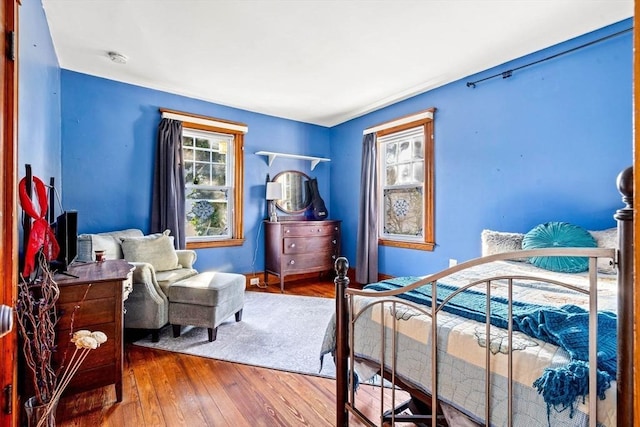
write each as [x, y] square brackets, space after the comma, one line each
[297, 247]
[106, 285]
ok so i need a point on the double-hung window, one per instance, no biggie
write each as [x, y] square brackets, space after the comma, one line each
[405, 182]
[212, 155]
[208, 173]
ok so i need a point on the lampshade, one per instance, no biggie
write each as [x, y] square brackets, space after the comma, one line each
[274, 191]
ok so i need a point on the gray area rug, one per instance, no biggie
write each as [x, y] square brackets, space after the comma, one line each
[277, 331]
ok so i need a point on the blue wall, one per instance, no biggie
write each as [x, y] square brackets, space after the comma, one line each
[543, 145]
[38, 98]
[109, 139]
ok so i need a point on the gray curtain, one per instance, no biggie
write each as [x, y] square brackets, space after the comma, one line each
[167, 211]
[367, 249]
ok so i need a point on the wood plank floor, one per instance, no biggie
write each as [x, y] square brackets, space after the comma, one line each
[172, 389]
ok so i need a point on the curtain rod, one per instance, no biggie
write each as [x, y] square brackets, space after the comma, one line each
[508, 73]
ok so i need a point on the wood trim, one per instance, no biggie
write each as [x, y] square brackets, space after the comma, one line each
[407, 245]
[199, 126]
[636, 222]
[429, 186]
[400, 120]
[211, 119]
[8, 220]
[215, 244]
[238, 203]
[237, 233]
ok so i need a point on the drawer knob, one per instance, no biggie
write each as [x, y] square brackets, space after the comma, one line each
[318, 230]
[292, 262]
[293, 245]
[287, 230]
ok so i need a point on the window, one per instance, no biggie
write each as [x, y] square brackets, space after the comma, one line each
[208, 167]
[405, 182]
[212, 152]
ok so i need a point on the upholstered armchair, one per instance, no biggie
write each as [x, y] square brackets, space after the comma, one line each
[157, 265]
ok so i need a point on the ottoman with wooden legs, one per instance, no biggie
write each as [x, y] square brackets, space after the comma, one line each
[206, 300]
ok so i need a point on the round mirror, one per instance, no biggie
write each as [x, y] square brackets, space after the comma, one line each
[295, 197]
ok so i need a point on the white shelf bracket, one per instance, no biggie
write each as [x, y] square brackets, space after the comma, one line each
[272, 155]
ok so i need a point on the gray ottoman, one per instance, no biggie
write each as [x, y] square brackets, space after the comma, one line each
[206, 300]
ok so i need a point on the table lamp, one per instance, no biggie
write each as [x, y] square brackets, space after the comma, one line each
[274, 192]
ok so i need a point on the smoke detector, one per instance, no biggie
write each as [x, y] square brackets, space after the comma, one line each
[118, 58]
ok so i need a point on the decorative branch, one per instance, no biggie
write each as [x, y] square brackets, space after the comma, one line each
[85, 341]
[37, 318]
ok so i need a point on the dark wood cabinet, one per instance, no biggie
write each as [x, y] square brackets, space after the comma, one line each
[297, 247]
[98, 292]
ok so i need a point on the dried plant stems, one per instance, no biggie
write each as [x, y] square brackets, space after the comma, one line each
[37, 318]
[72, 323]
[69, 372]
[85, 341]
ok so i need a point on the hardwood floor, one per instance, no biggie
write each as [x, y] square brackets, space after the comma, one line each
[172, 389]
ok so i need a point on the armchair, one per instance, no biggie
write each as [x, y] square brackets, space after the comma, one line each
[157, 265]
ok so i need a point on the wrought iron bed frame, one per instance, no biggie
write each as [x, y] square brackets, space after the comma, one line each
[623, 259]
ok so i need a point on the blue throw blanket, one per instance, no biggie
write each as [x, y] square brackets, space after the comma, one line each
[566, 327]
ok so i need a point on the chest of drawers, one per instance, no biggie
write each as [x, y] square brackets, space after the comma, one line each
[98, 292]
[299, 247]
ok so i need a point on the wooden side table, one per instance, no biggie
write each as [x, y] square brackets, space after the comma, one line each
[94, 300]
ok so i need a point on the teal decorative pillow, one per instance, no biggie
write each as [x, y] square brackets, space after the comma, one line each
[559, 235]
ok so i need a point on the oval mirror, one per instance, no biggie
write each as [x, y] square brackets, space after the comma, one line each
[294, 192]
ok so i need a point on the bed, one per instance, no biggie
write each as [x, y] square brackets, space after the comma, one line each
[522, 363]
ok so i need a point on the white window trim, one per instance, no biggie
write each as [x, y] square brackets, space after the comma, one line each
[382, 141]
[204, 121]
[401, 121]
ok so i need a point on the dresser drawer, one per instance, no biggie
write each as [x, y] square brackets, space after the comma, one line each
[301, 245]
[90, 312]
[311, 230]
[308, 262]
[102, 355]
[98, 290]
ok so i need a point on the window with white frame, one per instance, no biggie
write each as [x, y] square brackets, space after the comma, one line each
[405, 177]
[209, 181]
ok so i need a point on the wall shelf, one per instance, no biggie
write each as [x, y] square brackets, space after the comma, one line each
[272, 156]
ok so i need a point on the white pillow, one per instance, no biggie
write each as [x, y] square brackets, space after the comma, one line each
[156, 249]
[497, 242]
[108, 242]
[606, 239]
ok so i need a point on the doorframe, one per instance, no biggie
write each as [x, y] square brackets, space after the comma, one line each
[636, 219]
[8, 215]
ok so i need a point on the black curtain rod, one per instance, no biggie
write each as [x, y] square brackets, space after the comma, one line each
[508, 73]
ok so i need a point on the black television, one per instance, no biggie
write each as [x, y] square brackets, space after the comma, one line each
[66, 231]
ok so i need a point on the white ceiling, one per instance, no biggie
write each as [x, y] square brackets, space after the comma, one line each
[316, 61]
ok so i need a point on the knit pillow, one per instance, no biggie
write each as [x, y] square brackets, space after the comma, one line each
[606, 239]
[156, 249]
[497, 242]
[559, 235]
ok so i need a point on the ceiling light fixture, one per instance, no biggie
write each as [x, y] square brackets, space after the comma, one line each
[117, 57]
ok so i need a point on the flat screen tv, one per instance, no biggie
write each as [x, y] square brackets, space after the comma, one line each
[66, 229]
